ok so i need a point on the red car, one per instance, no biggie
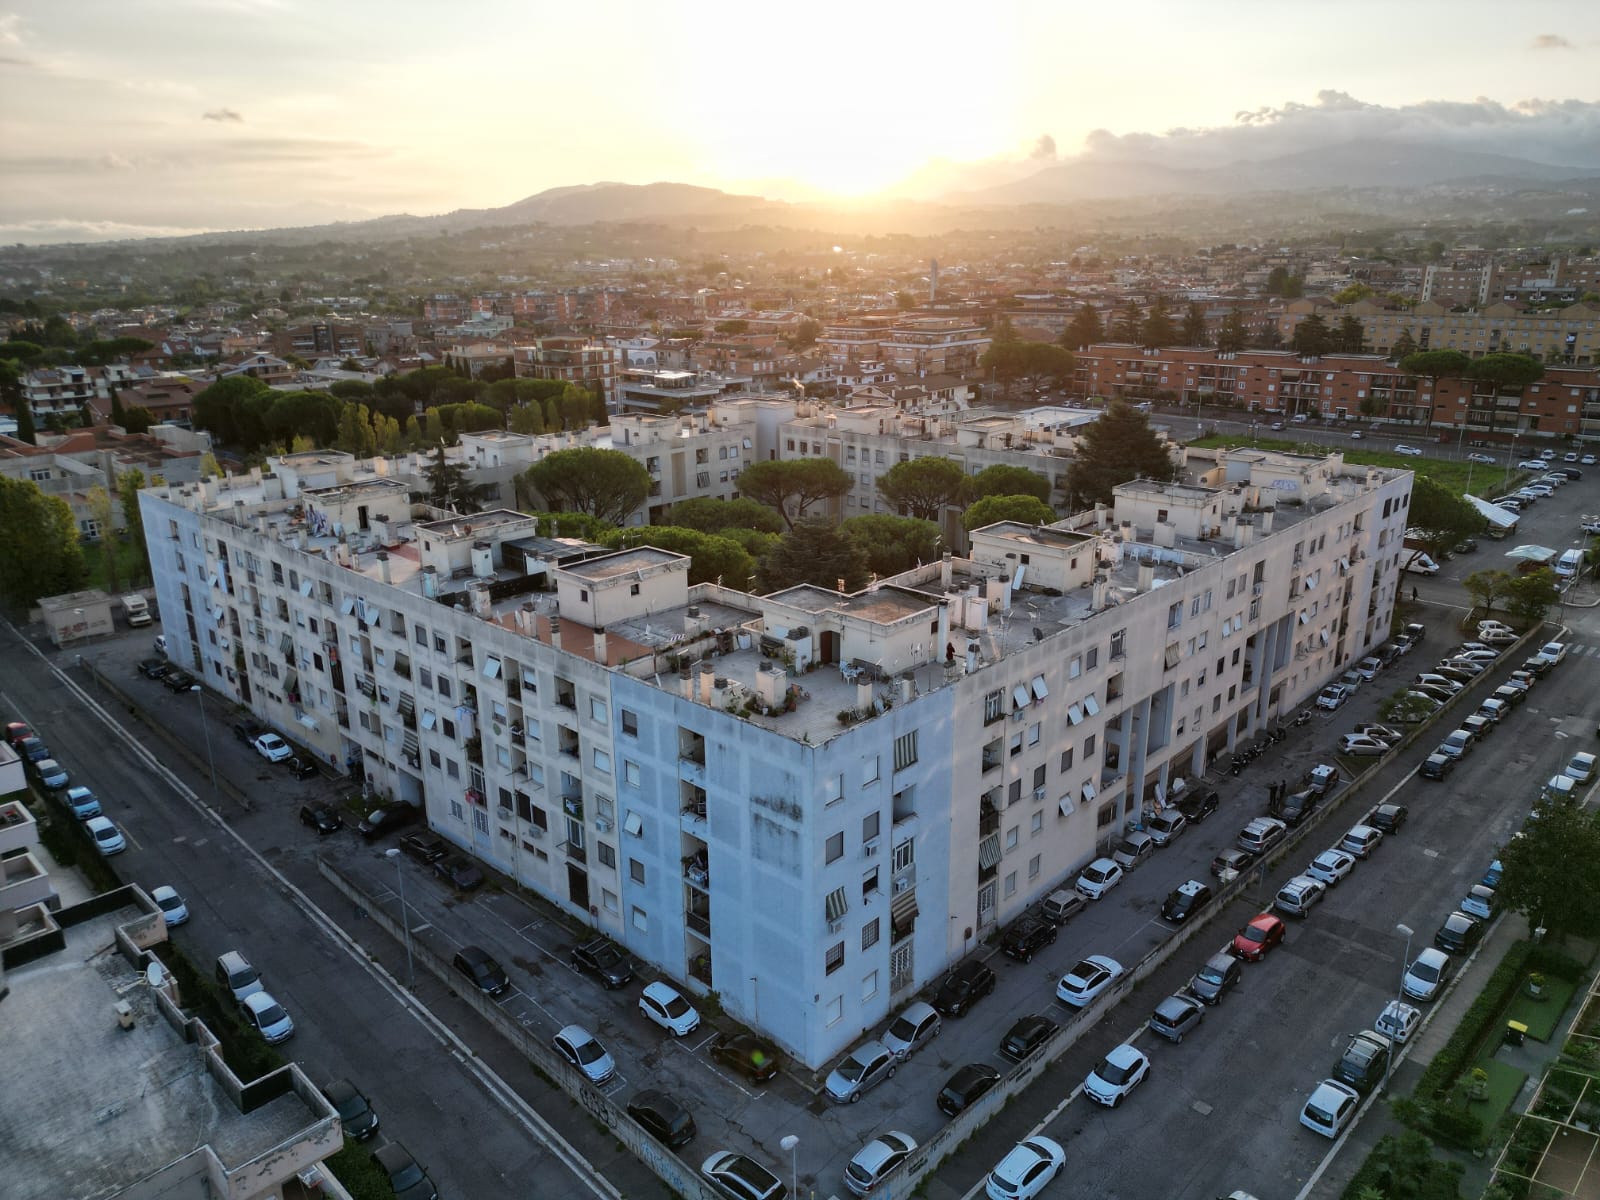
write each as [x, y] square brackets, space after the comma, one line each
[1253, 941]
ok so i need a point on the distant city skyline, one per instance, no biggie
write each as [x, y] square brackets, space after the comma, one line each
[122, 120]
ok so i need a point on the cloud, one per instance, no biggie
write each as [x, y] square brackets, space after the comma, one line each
[1550, 41]
[10, 29]
[1044, 147]
[48, 232]
[221, 114]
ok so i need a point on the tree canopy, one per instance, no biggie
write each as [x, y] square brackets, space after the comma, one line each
[602, 483]
[711, 515]
[1083, 330]
[40, 554]
[815, 552]
[1031, 364]
[1030, 510]
[712, 558]
[1551, 874]
[1195, 331]
[1440, 518]
[450, 485]
[1529, 596]
[1158, 329]
[1004, 479]
[791, 486]
[892, 544]
[921, 487]
[1311, 336]
[1114, 449]
[1233, 336]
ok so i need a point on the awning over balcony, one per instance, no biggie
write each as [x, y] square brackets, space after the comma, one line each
[836, 905]
[989, 853]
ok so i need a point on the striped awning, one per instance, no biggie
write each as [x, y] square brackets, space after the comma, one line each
[836, 905]
[902, 912]
[989, 851]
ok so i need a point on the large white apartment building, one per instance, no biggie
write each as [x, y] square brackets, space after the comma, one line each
[766, 795]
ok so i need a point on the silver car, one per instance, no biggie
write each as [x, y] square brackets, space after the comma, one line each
[913, 1029]
[868, 1065]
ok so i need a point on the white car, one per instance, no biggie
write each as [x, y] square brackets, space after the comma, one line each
[1547, 455]
[1361, 744]
[1582, 767]
[1331, 866]
[1080, 986]
[107, 837]
[1420, 564]
[1429, 679]
[1361, 840]
[1119, 1072]
[1398, 1020]
[1481, 458]
[1369, 667]
[913, 1029]
[1383, 733]
[1587, 460]
[739, 1177]
[1098, 878]
[266, 1016]
[1408, 451]
[1026, 1170]
[1531, 464]
[272, 747]
[665, 1005]
[1554, 651]
[584, 1051]
[1427, 974]
[171, 905]
[1330, 1108]
[1333, 696]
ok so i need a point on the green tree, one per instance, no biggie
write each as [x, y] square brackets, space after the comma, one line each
[817, 552]
[1407, 1170]
[224, 409]
[128, 485]
[1004, 479]
[11, 373]
[1195, 331]
[1352, 293]
[791, 486]
[1029, 510]
[1083, 330]
[1032, 364]
[1311, 337]
[450, 486]
[1128, 323]
[1439, 518]
[1277, 281]
[1232, 337]
[923, 486]
[1434, 365]
[103, 513]
[606, 484]
[1157, 329]
[137, 419]
[1487, 588]
[892, 544]
[1551, 874]
[711, 515]
[712, 558]
[355, 433]
[1351, 335]
[734, 326]
[1505, 374]
[386, 431]
[314, 414]
[1003, 331]
[528, 419]
[1529, 597]
[40, 554]
[806, 333]
[576, 407]
[1268, 336]
[1114, 449]
[905, 301]
[117, 415]
[1404, 346]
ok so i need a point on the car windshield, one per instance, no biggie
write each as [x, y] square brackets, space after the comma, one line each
[1253, 933]
[676, 1007]
[408, 1176]
[272, 1015]
[1426, 972]
[1328, 861]
[1319, 1114]
[106, 834]
[1113, 1074]
[1210, 974]
[352, 1107]
[589, 1051]
[170, 903]
[852, 1069]
[1095, 874]
[903, 1030]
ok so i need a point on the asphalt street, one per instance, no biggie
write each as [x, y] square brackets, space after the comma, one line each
[1221, 1108]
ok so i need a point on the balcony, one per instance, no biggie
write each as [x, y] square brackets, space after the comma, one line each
[574, 852]
[697, 914]
[566, 695]
[697, 870]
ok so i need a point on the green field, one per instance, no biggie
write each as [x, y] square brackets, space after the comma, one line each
[1451, 473]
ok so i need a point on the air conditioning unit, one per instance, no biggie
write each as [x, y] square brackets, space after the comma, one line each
[836, 926]
[869, 849]
[602, 825]
[901, 885]
[536, 833]
[1038, 795]
[1020, 714]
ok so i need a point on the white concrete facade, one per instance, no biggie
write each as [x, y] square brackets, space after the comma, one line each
[765, 796]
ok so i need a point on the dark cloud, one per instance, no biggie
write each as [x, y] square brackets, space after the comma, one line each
[1550, 41]
[1561, 132]
[221, 114]
[1044, 147]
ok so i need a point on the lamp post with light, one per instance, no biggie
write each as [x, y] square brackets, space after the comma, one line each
[205, 729]
[1399, 997]
[405, 916]
[792, 1144]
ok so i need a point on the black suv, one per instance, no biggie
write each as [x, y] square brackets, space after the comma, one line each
[1185, 900]
[963, 987]
[1198, 803]
[478, 965]
[179, 680]
[385, 819]
[1026, 1036]
[604, 958]
[1295, 807]
[321, 818]
[965, 1086]
[1365, 1060]
[663, 1117]
[423, 847]
[1026, 937]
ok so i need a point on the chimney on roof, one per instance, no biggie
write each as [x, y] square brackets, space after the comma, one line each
[430, 583]
[555, 631]
[600, 646]
[772, 684]
[946, 568]
[383, 566]
[707, 679]
[1147, 574]
[527, 618]
[480, 598]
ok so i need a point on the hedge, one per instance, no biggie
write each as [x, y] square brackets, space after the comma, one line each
[1462, 1048]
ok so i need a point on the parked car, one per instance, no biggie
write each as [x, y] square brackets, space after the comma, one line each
[963, 987]
[385, 819]
[753, 1057]
[1582, 767]
[406, 1177]
[321, 818]
[1230, 863]
[739, 1177]
[171, 904]
[1122, 1069]
[863, 1069]
[1330, 1108]
[1459, 934]
[1383, 733]
[1369, 667]
[1420, 564]
[1437, 765]
[478, 965]
[916, 1026]
[1299, 896]
[1175, 1016]
[662, 1117]
[1026, 1036]
[267, 1017]
[1427, 974]
[1216, 977]
[1364, 1062]
[1333, 696]
[1026, 936]
[1360, 745]
[459, 872]
[1185, 900]
[423, 847]
[179, 680]
[236, 976]
[1098, 878]
[154, 668]
[355, 1112]
[664, 1005]
[877, 1160]
[1258, 937]
[584, 1051]
[965, 1087]
[1407, 451]
[106, 836]
[1061, 906]
[1331, 866]
[1084, 983]
[1198, 802]
[1478, 902]
[300, 768]
[1361, 840]
[605, 960]
[1165, 827]
[272, 747]
[1261, 834]
[1024, 1172]
[1133, 850]
[247, 731]
[1398, 1021]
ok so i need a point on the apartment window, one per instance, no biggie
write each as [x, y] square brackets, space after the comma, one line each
[1033, 867]
[1016, 744]
[905, 750]
[451, 769]
[1091, 658]
[870, 769]
[869, 986]
[1039, 773]
[433, 757]
[1011, 884]
[602, 762]
[635, 870]
[869, 884]
[869, 826]
[1015, 792]
[641, 922]
[994, 706]
[1174, 619]
[1088, 748]
[834, 958]
[608, 900]
[607, 855]
[869, 934]
[834, 1011]
[904, 855]
[1107, 814]
[1035, 731]
[597, 710]
[630, 723]
[1038, 825]
[1013, 835]
[630, 773]
[1066, 760]
[1075, 667]
[835, 847]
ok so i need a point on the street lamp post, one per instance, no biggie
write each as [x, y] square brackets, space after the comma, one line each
[792, 1145]
[205, 728]
[1399, 995]
[405, 916]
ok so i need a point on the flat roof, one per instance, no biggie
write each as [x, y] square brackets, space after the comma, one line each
[598, 570]
[88, 1108]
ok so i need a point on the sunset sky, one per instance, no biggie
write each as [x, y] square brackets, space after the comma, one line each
[132, 118]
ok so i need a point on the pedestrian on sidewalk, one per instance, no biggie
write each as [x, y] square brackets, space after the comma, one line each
[1413, 594]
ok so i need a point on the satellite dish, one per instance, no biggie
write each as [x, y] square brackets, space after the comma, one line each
[155, 975]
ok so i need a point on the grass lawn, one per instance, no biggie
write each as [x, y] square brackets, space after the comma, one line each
[1542, 1016]
[1505, 1083]
[130, 567]
[1447, 472]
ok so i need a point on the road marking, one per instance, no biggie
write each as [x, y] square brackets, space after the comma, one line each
[493, 1084]
[420, 928]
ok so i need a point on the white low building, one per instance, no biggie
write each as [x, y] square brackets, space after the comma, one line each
[780, 797]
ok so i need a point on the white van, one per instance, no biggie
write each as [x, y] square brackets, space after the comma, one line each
[1568, 565]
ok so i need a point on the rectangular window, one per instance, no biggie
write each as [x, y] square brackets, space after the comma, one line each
[869, 826]
[1091, 658]
[630, 723]
[1033, 867]
[608, 900]
[870, 769]
[602, 762]
[1035, 731]
[1088, 747]
[635, 870]
[869, 934]
[1012, 836]
[1011, 884]
[1066, 760]
[597, 710]
[608, 856]
[869, 986]
[994, 706]
[640, 921]
[835, 847]
[630, 773]
[1038, 824]
[905, 750]
[834, 958]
